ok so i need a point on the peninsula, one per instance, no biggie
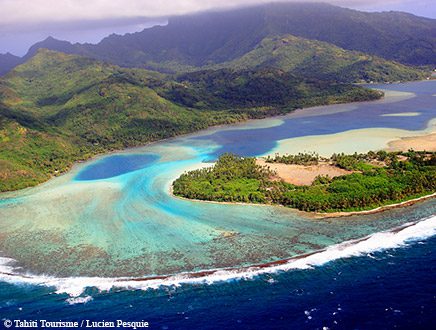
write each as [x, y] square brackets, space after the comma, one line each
[308, 182]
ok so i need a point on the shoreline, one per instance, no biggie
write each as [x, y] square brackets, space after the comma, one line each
[425, 142]
[317, 215]
[379, 209]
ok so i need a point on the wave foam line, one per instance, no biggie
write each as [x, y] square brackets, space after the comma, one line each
[75, 286]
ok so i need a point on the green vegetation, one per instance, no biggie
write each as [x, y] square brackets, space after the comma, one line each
[322, 61]
[28, 156]
[378, 179]
[232, 179]
[346, 162]
[271, 89]
[299, 159]
[282, 74]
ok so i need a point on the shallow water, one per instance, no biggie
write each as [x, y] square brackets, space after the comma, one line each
[114, 216]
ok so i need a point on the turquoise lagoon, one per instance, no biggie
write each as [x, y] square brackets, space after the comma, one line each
[115, 216]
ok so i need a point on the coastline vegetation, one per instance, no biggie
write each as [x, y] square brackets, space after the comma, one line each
[378, 178]
[299, 159]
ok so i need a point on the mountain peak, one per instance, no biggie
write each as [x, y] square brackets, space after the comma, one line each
[50, 38]
[52, 44]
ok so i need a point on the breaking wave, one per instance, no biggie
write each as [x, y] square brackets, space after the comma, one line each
[75, 286]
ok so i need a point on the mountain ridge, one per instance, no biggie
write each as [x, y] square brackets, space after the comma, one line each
[214, 37]
[8, 61]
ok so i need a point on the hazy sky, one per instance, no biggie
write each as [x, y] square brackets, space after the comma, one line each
[24, 22]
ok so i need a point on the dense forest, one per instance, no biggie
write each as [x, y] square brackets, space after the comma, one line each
[377, 179]
[271, 89]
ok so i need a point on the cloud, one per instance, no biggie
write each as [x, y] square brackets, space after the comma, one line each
[43, 11]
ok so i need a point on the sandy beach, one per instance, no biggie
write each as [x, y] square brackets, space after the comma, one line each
[301, 175]
[425, 142]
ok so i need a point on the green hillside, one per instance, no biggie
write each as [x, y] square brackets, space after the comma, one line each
[287, 72]
[323, 61]
[58, 108]
[271, 89]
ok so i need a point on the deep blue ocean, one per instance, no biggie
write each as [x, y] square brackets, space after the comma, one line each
[392, 289]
